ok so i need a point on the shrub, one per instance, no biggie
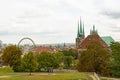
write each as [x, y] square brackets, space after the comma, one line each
[6, 69]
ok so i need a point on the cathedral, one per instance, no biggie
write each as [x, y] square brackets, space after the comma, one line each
[82, 41]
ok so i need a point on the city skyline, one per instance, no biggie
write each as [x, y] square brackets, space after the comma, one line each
[55, 21]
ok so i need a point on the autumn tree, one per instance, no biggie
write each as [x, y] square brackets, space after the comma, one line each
[94, 59]
[11, 55]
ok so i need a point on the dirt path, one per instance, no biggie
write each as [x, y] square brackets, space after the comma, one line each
[4, 76]
[92, 77]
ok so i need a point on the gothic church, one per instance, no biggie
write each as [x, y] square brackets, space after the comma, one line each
[82, 41]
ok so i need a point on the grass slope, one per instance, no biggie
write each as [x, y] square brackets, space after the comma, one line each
[44, 76]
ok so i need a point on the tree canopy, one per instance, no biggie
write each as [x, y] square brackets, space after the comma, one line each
[59, 57]
[68, 61]
[94, 59]
[29, 62]
[11, 55]
[115, 62]
[71, 52]
[46, 60]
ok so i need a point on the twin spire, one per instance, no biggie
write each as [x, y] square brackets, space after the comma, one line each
[80, 32]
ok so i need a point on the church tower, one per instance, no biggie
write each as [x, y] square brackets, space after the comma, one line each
[93, 32]
[80, 34]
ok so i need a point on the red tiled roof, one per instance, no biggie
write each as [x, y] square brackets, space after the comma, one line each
[90, 38]
[41, 49]
[45, 49]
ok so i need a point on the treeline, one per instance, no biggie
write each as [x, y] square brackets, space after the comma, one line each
[37, 62]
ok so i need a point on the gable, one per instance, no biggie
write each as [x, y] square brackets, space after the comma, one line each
[90, 38]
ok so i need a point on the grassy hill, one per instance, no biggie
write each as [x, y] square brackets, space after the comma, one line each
[44, 76]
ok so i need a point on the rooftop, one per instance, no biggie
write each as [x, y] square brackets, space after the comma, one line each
[108, 40]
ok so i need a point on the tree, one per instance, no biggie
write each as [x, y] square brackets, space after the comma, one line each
[11, 55]
[1, 57]
[68, 61]
[115, 62]
[74, 53]
[47, 60]
[71, 52]
[29, 62]
[66, 53]
[94, 59]
[59, 57]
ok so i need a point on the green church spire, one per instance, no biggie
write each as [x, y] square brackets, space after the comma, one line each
[90, 32]
[78, 31]
[94, 28]
[81, 32]
[96, 31]
[93, 32]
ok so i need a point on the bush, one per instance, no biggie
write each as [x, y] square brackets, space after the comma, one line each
[6, 69]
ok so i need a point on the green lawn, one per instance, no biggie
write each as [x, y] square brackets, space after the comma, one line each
[109, 78]
[44, 76]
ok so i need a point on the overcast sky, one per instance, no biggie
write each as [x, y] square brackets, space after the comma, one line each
[55, 21]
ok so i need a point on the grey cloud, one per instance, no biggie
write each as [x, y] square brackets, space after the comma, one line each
[30, 14]
[5, 33]
[115, 28]
[112, 14]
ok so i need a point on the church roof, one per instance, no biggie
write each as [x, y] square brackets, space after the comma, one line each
[107, 40]
[90, 38]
